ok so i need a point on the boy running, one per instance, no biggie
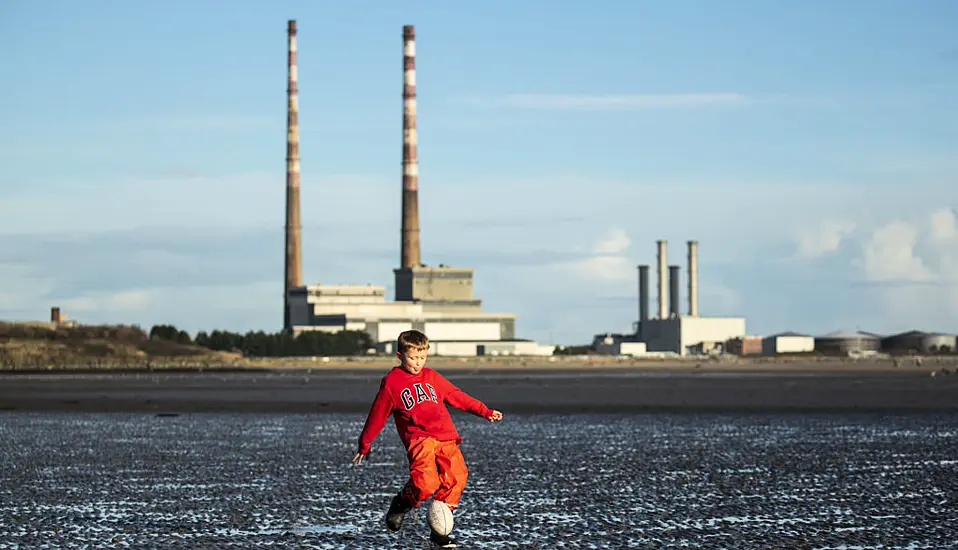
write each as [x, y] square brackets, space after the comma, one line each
[416, 396]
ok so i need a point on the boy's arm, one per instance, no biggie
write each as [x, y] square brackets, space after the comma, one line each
[378, 414]
[463, 401]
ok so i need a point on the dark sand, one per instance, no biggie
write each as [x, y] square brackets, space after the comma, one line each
[536, 482]
[569, 389]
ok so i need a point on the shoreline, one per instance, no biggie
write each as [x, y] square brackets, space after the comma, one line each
[947, 363]
[800, 387]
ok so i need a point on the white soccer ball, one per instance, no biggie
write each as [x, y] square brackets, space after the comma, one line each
[439, 517]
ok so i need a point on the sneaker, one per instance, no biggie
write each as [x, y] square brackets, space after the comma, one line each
[397, 512]
[441, 541]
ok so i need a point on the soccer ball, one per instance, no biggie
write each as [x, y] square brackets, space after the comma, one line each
[439, 517]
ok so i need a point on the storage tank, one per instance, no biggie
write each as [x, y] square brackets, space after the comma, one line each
[844, 343]
[916, 341]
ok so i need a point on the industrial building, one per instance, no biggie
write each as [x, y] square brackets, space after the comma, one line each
[670, 331]
[846, 343]
[618, 344]
[787, 342]
[332, 308]
[916, 341]
[437, 300]
[744, 345]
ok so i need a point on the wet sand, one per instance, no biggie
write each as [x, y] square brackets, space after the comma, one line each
[567, 389]
[536, 482]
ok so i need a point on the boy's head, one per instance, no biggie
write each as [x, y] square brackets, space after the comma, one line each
[412, 346]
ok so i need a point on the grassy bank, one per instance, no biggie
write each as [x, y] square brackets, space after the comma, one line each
[48, 346]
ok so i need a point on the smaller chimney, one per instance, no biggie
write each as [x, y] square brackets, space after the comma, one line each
[643, 296]
[663, 289]
[693, 278]
[55, 315]
[674, 291]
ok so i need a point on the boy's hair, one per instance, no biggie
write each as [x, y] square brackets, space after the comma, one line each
[411, 340]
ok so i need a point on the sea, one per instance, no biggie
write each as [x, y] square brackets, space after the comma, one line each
[537, 481]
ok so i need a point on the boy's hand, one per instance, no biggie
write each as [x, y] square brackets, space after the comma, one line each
[358, 458]
[496, 416]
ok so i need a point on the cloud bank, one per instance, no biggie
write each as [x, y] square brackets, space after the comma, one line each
[772, 251]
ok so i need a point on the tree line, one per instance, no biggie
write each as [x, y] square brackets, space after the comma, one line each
[275, 344]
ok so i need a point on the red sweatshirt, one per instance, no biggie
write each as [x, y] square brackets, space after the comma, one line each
[417, 402]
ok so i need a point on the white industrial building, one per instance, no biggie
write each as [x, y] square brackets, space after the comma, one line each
[670, 331]
[478, 348]
[618, 344]
[438, 301]
[787, 342]
[331, 308]
[685, 335]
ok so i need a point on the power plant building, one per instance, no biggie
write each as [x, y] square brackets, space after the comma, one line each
[332, 308]
[670, 331]
[437, 300]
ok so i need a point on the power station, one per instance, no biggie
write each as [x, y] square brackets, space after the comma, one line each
[670, 331]
[435, 299]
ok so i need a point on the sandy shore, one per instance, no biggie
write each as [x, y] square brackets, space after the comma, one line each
[797, 386]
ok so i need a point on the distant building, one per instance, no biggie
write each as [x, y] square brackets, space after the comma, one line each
[685, 335]
[618, 344]
[479, 348]
[916, 341]
[844, 343]
[333, 308]
[744, 345]
[787, 342]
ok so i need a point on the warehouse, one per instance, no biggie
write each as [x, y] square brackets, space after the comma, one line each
[787, 342]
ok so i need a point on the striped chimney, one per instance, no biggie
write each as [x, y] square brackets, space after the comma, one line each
[294, 250]
[410, 254]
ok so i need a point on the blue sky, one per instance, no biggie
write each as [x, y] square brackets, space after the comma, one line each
[809, 146]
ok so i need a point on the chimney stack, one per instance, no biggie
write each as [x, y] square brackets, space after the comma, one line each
[410, 255]
[674, 291]
[693, 278]
[643, 296]
[663, 290]
[294, 250]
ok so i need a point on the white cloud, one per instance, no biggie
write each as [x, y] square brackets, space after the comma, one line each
[112, 302]
[943, 225]
[614, 243]
[823, 238]
[889, 255]
[608, 261]
[611, 101]
[194, 308]
[911, 265]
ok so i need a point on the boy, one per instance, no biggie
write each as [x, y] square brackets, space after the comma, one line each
[416, 397]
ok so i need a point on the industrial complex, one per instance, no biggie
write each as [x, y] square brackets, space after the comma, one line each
[438, 300]
[674, 334]
[670, 332]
